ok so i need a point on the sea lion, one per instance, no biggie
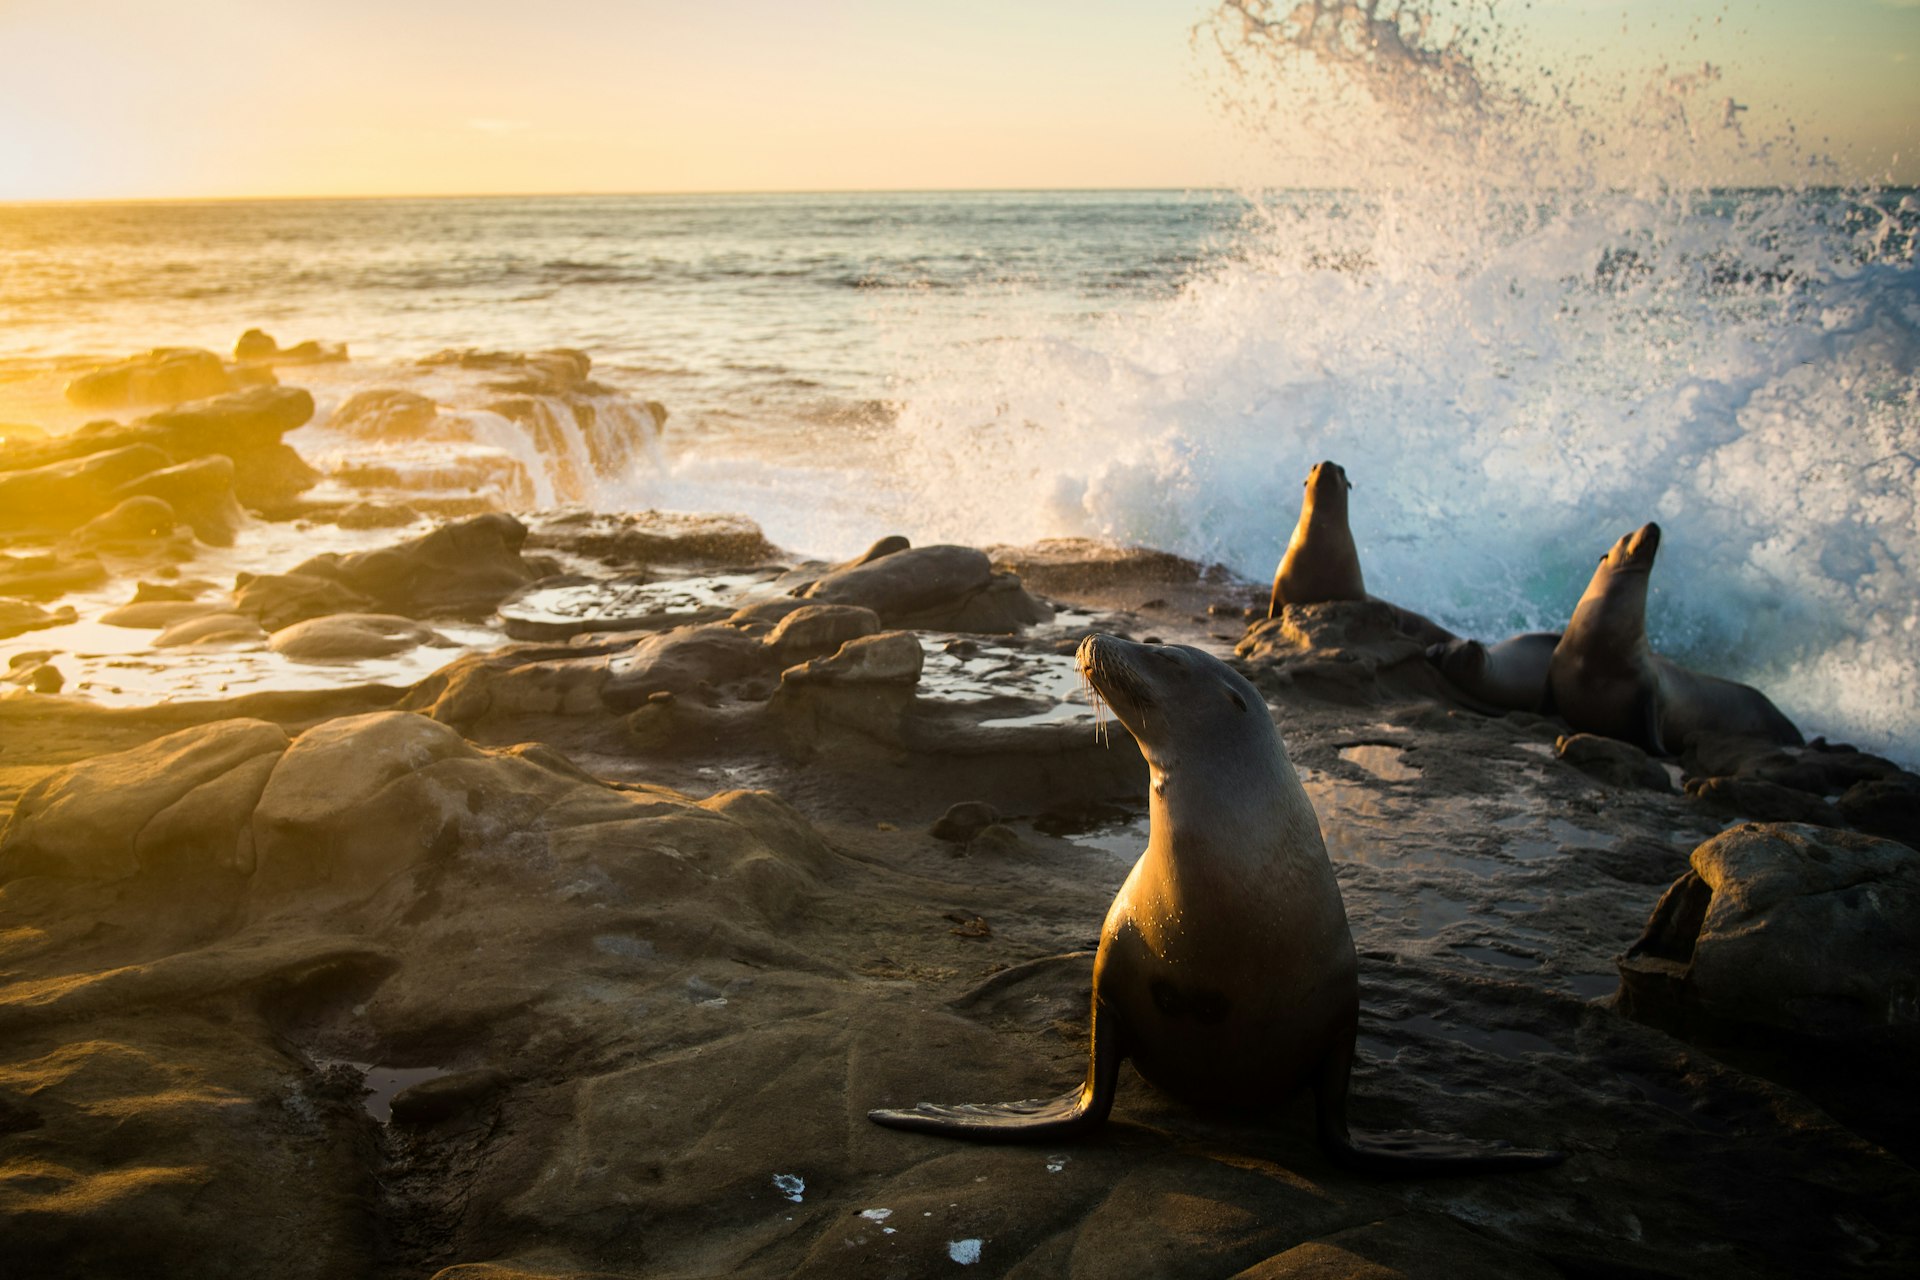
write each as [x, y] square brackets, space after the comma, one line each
[1225, 971]
[1604, 677]
[1321, 563]
[1509, 676]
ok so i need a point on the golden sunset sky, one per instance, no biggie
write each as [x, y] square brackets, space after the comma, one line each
[113, 99]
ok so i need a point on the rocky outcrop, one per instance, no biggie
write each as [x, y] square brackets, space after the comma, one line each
[66, 493]
[657, 537]
[228, 920]
[245, 427]
[107, 818]
[1619, 764]
[345, 637]
[1792, 928]
[17, 617]
[165, 375]
[1353, 652]
[201, 493]
[277, 600]
[257, 347]
[385, 414]
[1822, 783]
[461, 569]
[939, 587]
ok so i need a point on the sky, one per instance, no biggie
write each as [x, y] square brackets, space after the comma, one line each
[133, 99]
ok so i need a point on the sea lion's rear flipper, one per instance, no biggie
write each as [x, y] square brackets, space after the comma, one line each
[1408, 1153]
[1071, 1113]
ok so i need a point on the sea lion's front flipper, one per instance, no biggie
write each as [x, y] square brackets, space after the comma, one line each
[1407, 1153]
[1070, 1113]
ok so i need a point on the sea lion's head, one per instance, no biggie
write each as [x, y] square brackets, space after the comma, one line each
[1634, 552]
[1614, 605]
[1458, 660]
[1170, 694]
[1327, 487]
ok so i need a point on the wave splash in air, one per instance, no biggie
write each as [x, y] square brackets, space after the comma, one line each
[1523, 329]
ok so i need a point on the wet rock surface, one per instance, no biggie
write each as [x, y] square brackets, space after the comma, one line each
[587, 954]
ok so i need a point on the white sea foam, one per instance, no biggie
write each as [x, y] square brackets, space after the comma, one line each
[1516, 364]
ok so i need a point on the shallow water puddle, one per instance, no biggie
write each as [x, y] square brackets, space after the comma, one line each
[1381, 760]
[1495, 956]
[1592, 986]
[627, 599]
[1124, 838]
[1362, 824]
[119, 667]
[970, 669]
[1561, 834]
[380, 1084]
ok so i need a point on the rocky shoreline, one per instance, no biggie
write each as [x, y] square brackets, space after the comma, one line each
[619, 864]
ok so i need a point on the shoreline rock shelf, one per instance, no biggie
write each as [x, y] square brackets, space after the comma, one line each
[626, 919]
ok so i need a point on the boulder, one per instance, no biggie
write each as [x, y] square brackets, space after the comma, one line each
[200, 492]
[210, 628]
[542, 373]
[906, 582]
[515, 681]
[258, 347]
[1619, 764]
[1352, 652]
[17, 617]
[236, 425]
[48, 574]
[948, 587]
[165, 375]
[892, 657]
[658, 537]
[138, 519]
[277, 600]
[465, 569]
[681, 662]
[89, 819]
[34, 673]
[387, 415]
[1886, 807]
[816, 629]
[853, 700]
[1083, 565]
[1755, 799]
[360, 800]
[344, 637]
[65, 494]
[246, 427]
[1796, 929]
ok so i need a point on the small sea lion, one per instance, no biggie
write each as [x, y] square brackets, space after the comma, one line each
[1605, 678]
[1321, 563]
[1225, 971]
[1509, 676]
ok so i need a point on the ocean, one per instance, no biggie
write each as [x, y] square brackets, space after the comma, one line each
[1511, 382]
